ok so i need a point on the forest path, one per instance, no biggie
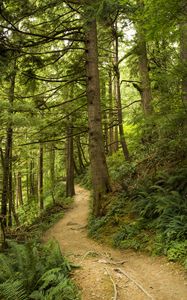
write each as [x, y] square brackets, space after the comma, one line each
[104, 270]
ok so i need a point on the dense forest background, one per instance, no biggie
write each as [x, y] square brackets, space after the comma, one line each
[96, 91]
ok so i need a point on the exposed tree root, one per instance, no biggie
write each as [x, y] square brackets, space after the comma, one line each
[134, 281]
[93, 253]
[114, 285]
[111, 262]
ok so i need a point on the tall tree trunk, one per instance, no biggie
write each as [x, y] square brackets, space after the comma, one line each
[83, 153]
[105, 118]
[76, 169]
[118, 95]
[10, 192]
[40, 178]
[99, 171]
[111, 116]
[14, 199]
[19, 194]
[52, 170]
[146, 93]
[7, 169]
[183, 54]
[81, 164]
[70, 189]
[2, 234]
[27, 184]
[33, 189]
[6, 174]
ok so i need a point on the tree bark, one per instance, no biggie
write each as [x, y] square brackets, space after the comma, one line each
[105, 118]
[80, 159]
[183, 54]
[40, 178]
[10, 192]
[70, 189]
[19, 194]
[83, 154]
[32, 180]
[99, 171]
[111, 116]
[6, 176]
[146, 93]
[52, 170]
[7, 164]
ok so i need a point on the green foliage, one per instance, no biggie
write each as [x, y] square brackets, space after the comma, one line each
[85, 179]
[120, 170]
[150, 213]
[124, 237]
[165, 202]
[95, 226]
[33, 271]
[29, 214]
[177, 251]
[54, 285]
[13, 289]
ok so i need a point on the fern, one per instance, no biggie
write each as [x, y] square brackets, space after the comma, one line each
[6, 269]
[54, 285]
[13, 289]
[39, 271]
[50, 277]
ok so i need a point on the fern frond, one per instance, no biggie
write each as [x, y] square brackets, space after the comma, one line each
[13, 289]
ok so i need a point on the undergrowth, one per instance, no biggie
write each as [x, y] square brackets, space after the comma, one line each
[150, 211]
[84, 179]
[34, 225]
[35, 271]
[30, 270]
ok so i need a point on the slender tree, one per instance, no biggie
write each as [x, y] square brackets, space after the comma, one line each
[183, 53]
[146, 93]
[118, 93]
[40, 176]
[70, 189]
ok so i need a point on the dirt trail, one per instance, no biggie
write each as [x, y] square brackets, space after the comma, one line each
[109, 274]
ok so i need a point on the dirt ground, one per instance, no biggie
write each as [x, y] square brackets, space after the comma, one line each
[110, 274]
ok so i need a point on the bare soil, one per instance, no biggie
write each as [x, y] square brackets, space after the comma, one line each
[110, 274]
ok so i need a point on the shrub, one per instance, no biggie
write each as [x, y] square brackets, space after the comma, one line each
[177, 251]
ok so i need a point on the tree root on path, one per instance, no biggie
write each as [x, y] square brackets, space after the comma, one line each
[93, 253]
[114, 285]
[111, 262]
[134, 281]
